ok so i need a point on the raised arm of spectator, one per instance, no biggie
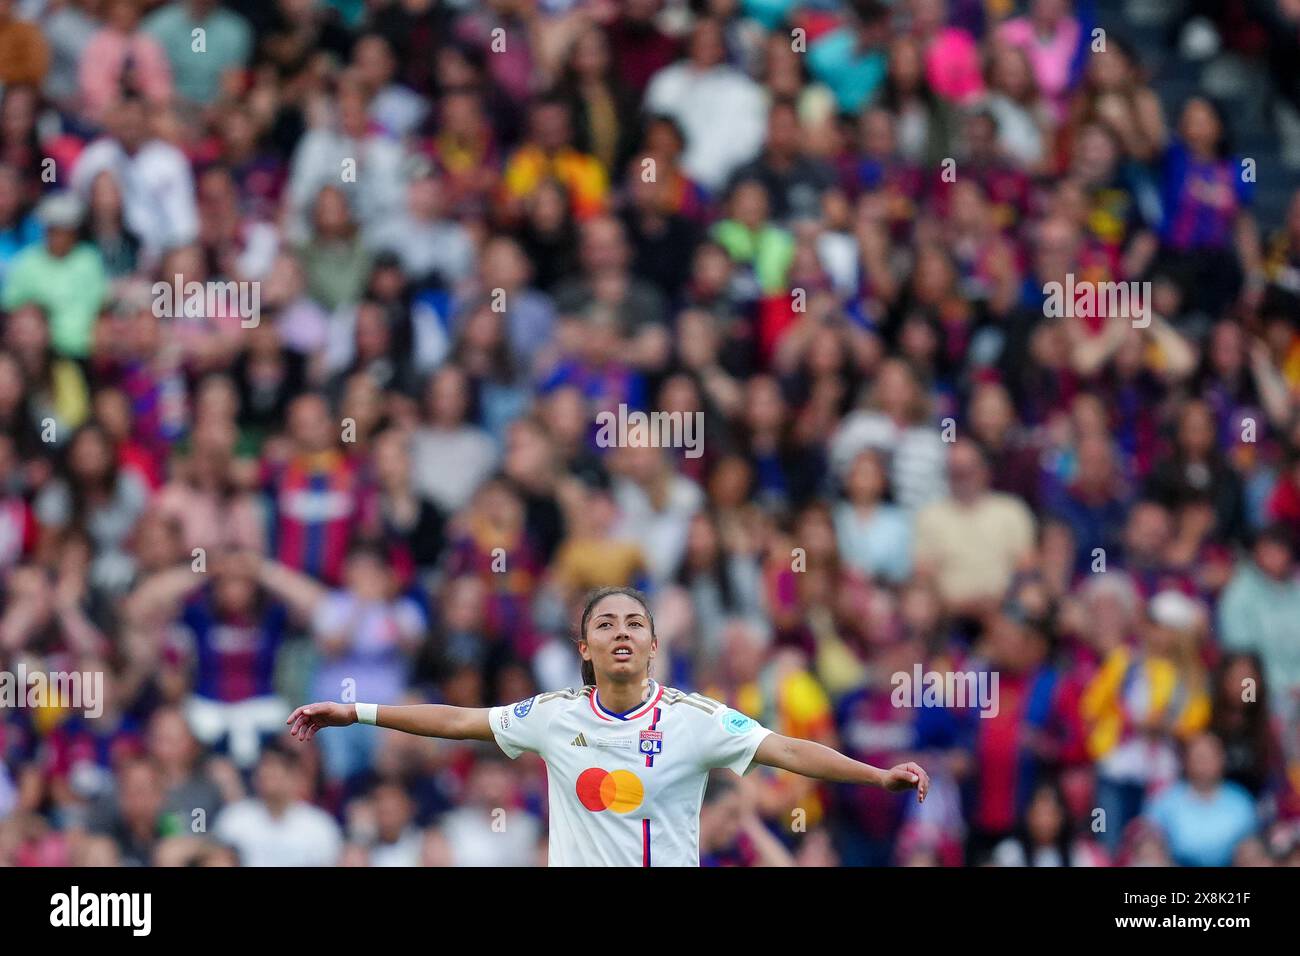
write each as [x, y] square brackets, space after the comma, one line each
[1139, 252]
[770, 850]
[551, 37]
[1249, 252]
[793, 344]
[23, 613]
[874, 243]
[1179, 355]
[1150, 126]
[81, 632]
[159, 596]
[1006, 279]
[301, 592]
[1090, 353]
[650, 348]
[1273, 389]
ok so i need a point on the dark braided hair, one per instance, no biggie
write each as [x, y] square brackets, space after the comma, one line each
[594, 598]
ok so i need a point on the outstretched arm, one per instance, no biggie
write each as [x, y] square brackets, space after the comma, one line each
[811, 759]
[425, 720]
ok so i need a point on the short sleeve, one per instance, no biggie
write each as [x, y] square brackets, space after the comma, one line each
[518, 727]
[729, 739]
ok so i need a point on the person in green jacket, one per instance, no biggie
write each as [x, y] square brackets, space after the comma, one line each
[334, 261]
[63, 275]
[1259, 613]
[751, 239]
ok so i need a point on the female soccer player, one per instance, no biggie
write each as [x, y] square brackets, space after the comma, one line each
[627, 759]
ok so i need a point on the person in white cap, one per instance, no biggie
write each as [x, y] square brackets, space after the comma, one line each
[63, 275]
[1140, 703]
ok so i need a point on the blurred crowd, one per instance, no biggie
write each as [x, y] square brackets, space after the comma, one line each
[470, 226]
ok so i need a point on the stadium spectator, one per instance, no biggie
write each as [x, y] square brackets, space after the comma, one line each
[64, 276]
[849, 57]
[1049, 34]
[873, 535]
[306, 320]
[225, 632]
[973, 541]
[1139, 704]
[731, 831]
[548, 153]
[432, 248]
[448, 436]
[1203, 818]
[395, 839]
[365, 634]
[719, 109]
[122, 61]
[342, 149]
[192, 796]
[1047, 840]
[467, 835]
[24, 51]
[1255, 616]
[133, 819]
[154, 176]
[226, 46]
[276, 827]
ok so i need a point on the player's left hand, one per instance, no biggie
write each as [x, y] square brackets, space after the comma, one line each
[906, 776]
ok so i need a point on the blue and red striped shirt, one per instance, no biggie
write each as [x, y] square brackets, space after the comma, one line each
[318, 503]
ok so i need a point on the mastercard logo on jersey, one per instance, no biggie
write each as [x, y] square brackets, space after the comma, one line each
[618, 790]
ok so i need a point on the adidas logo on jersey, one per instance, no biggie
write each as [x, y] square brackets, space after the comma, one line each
[578, 741]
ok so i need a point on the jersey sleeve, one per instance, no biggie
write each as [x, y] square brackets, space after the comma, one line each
[519, 727]
[728, 739]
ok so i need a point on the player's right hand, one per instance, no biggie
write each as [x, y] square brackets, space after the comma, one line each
[309, 718]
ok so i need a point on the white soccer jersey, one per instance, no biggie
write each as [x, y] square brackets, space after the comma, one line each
[625, 789]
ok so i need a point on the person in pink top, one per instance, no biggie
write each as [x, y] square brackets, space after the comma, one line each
[120, 58]
[952, 58]
[205, 496]
[1049, 34]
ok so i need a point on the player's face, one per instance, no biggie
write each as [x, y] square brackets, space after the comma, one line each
[618, 639]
